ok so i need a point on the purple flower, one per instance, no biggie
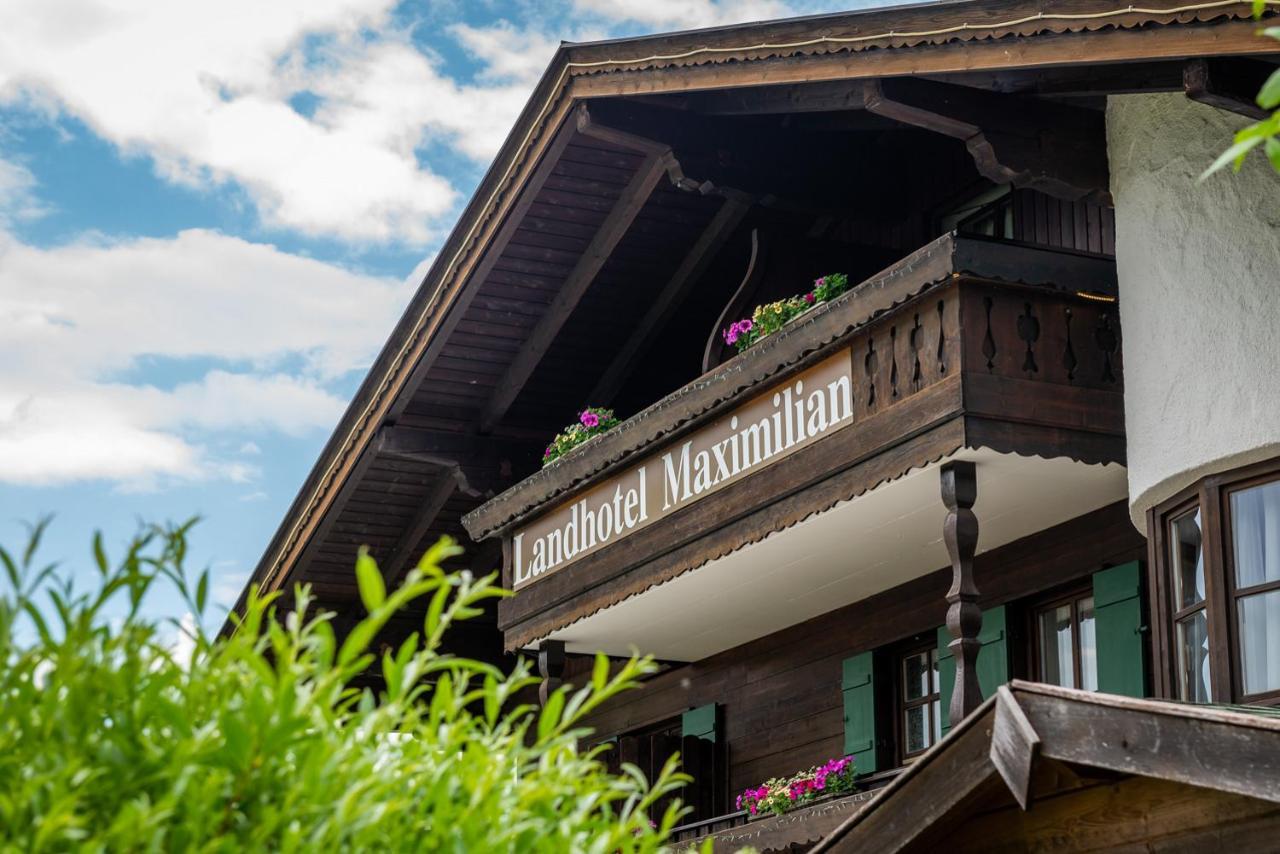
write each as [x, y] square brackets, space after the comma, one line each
[819, 282]
[589, 419]
[810, 298]
[548, 451]
[745, 325]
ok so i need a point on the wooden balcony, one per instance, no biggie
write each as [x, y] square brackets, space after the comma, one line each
[1006, 353]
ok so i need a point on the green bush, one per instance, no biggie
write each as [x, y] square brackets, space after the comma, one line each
[110, 742]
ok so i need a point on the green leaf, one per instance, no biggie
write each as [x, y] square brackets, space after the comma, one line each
[100, 554]
[202, 592]
[550, 717]
[1234, 155]
[1272, 149]
[373, 590]
[600, 672]
[1269, 95]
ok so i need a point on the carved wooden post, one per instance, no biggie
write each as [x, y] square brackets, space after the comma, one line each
[964, 619]
[550, 668]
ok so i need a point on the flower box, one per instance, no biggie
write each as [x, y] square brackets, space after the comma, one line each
[772, 317]
[781, 795]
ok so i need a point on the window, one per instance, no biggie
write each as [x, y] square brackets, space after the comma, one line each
[919, 701]
[1190, 611]
[1217, 547]
[1254, 513]
[1066, 646]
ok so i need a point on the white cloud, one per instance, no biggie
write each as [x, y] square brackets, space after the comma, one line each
[263, 333]
[685, 14]
[205, 91]
[18, 201]
[510, 53]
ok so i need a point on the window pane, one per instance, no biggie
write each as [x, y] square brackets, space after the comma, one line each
[915, 676]
[1187, 559]
[1193, 658]
[1255, 534]
[1056, 650]
[1088, 645]
[1260, 641]
[917, 727]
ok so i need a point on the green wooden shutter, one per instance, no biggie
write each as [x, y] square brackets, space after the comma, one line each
[1117, 611]
[700, 723]
[858, 688]
[993, 660]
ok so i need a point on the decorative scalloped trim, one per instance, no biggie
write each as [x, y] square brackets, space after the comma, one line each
[521, 640]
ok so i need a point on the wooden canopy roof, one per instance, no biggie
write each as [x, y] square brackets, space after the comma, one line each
[631, 176]
[1039, 767]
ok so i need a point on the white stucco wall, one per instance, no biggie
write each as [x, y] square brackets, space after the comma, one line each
[1199, 269]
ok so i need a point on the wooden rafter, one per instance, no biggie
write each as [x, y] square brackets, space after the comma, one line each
[330, 518]
[528, 195]
[1228, 84]
[1057, 149]
[401, 555]
[611, 231]
[669, 299]
[413, 443]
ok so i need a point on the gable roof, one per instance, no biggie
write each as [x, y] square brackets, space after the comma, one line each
[937, 38]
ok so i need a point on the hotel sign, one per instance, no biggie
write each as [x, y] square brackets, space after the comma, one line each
[756, 434]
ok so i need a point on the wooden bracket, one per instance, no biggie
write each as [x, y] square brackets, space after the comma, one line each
[964, 618]
[1057, 149]
[1228, 84]
[551, 661]
[587, 126]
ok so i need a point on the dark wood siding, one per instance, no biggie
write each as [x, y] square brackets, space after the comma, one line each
[1042, 219]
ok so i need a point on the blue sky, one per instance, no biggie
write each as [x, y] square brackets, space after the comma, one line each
[211, 216]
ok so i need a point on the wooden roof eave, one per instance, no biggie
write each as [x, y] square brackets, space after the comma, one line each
[1228, 751]
[390, 382]
[803, 342]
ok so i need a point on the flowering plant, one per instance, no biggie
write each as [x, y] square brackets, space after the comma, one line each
[771, 317]
[591, 422]
[782, 794]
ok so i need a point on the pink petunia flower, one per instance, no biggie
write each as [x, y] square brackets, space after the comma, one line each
[589, 419]
[810, 298]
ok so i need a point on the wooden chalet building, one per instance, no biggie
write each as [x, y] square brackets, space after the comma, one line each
[1037, 439]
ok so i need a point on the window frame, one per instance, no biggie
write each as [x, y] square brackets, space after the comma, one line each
[901, 704]
[1212, 495]
[1072, 596]
[1233, 594]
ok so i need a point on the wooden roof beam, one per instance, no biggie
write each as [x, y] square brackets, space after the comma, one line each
[1054, 148]
[673, 294]
[657, 163]
[395, 440]
[1228, 84]
[822, 96]
[398, 560]
[587, 126]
